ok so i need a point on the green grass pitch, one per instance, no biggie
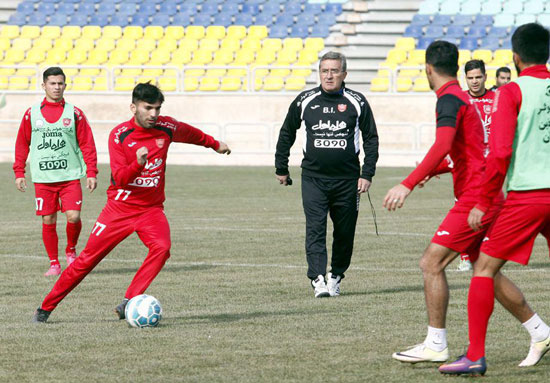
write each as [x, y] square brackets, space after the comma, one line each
[237, 304]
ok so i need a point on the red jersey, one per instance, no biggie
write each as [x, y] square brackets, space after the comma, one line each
[52, 111]
[143, 185]
[505, 113]
[484, 104]
[459, 134]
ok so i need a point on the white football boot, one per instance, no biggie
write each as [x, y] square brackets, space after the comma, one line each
[536, 352]
[320, 287]
[421, 353]
[333, 284]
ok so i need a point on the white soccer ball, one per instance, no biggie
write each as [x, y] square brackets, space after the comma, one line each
[143, 311]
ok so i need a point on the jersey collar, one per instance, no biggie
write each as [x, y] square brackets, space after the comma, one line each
[445, 86]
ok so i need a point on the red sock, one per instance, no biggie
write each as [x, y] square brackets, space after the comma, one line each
[481, 300]
[73, 232]
[49, 236]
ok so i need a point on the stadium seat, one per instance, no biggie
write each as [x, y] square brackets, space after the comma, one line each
[92, 32]
[273, 83]
[160, 20]
[4, 82]
[209, 44]
[180, 57]
[483, 54]
[76, 56]
[464, 55]
[244, 19]
[138, 57]
[484, 20]
[168, 45]
[215, 32]
[414, 31]
[82, 83]
[97, 56]
[209, 84]
[257, 31]
[230, 84]
[278, 31]
[236, 31]
[294, 83]
[502, 57]
[490, 42]
[50, 32]
[544, 19]
[35, 56]
[396, 56]
[421, 84]
[434, 32]
[230, 44]
[380, 84]
[21, 43]
[112, 31]
[124, 84]
[462, 20]
[18, 83]
[442, 19]
[405, 44]
[182, 18]
[455, 31]
[403, 84]
[63, 44]
[251, 43]
[428, 8]
[105, 43]
[469, 43]
[14, 56]
[314, 43]
[421, 20]
[416, 57]
[27, 31]
[295, 44]
[477, 31]
[174, 32]
[195, 32]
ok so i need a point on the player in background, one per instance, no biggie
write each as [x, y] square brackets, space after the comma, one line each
[520, 153]
[459, 133]
[138, 149]
[503, 77]
[62, 151]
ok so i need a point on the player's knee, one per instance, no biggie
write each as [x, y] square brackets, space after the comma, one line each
[430, 264]
[49, 219]
[163, 247]
[73, 216]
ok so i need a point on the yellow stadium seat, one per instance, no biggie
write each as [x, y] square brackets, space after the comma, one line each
[231, 84]
[244, 57]
[417, 57]
[76, 56]
[404, 84]
[490, 83]
[464, 55]
[126, 44]
[396, 56]
[293, 43]
[133, 32]
[380, 84]
[257, 31]
[201, 57]
[5, 44]
[97, 56]
[35, 56]
[314, 43]
[152, 72]
[9, 31]
[383, 72]
[30, 31]
[84, 43]
[82, 83]
[18, 83]
[91, 32]
[405, 44]
[170, 72]
[71, 32]
[21, 44]
[5, 71]
[264, 57]
[388, 65]
[146, 44]
[63, 44]
[146, 79]
[503, 57]
[237, 32]
[28, 72]
[223, 57]
[55, 57]
[100, 84]
[168, 84]
[408, 72]
[301, 70]
[51, 32]
[282, 71]
[180, 57]
[4, 81]
[128, 72]
[251, 43]
[190, 84]
[295, 83]
[14, 56]
[105, 43]
[231, 44]
[154, 32]
[421, 84]
[112, 31]
[124, 83]
[209, 44]
[215, 72]
[174, 32]
[117, 57]
[258, 72]
[258, 82]
[287, 56]
[215, 32]
[307, 56]
[272, 44]
[196, 32]
[209, 84]
[159, 57]
[491, 73]
[188, 44]
[42, 43]
[138, 57]
[167, 45]
[483, 54]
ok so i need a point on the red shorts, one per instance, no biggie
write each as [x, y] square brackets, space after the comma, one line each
[455, 233]
[56, 196]
[513, 234]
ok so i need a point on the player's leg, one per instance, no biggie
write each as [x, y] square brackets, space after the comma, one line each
[316, 205]
[154, 231]
[47, 205]
[71, 203]
[344, 209]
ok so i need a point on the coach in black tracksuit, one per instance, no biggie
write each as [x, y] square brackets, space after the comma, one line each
[334, 117]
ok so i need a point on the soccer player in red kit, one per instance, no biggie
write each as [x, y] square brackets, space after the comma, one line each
[459, 134]
[520, 153]
[62, 150]
[138, 150]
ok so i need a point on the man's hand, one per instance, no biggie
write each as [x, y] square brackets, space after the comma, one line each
[283, 180]
[91, 183]
[223, 149]
[363, 185]
[474, 219]
[395, 198]
[21, 184]
[141, 155]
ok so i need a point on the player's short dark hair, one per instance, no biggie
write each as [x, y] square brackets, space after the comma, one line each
[335, 56]
[531, 43]
[443, 56]
[474, 64]
[147, 92]
[503, 69]
[53, 71]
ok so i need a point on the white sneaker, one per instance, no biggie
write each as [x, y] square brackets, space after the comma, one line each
[421, 353]
[464, 265]
[320, 287]
[333, 284]
[536, 352]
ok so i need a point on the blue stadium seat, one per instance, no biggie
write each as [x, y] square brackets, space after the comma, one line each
[421, 19]
[148, 9]
[106, 8]
[313, 8]
[335, 8]
[142, 20]
[253, 9]
[209, 8]
[462, 20]
[455, 31]
[58, 19]
[320, 30]
[327, 18]
[263, 19]
[168, 8]
[307, 19]
[188, 8]
[469, 43]
[45, 9]
[477, 31]
[230, 8]
[79, 19]
[17, 19]
[506, 44]
[66, 8]
[278, 31]
[127, 9]
[25, 8]
[441, 20]
[449, 39]
[119, 20]
[182, 18]
[72, 1]
[285, 19]
[434, 32]
[203, 19]
[223, 19]
[300, 31]
[413, 31]
[161, 19]
[50, 1]
[86, 8]
[292, 9]
[490, 42]
[37, 19]
[484, 20]
[271, 9]
[244, 19]
[99, 19]
[423, 42]
[500, 32]
[90, 1]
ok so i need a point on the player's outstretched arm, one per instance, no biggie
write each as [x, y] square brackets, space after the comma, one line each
[21, 184]
[395, 198]
[223, 148]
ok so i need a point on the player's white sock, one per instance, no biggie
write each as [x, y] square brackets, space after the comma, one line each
[536, 327]
[436, 339]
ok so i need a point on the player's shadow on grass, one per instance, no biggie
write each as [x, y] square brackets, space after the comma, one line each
[167, 269]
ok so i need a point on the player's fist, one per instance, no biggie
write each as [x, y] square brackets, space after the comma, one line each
[21, 184]
[141, 155]
[223, 149]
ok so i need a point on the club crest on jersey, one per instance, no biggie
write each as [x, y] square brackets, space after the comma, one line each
[487, 109]
[342, 107]
[66, 122]
[160, 142]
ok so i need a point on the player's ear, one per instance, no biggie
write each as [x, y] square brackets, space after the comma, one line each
[133, 108]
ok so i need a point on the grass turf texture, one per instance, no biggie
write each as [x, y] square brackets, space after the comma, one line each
[237, 304]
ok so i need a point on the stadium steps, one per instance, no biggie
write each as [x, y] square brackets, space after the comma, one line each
[7, 7]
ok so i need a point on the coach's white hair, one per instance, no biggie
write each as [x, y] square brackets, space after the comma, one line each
[335, 56]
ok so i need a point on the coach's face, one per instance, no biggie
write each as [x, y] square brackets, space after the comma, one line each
[54, 86]
[332, 75]
[145, 114]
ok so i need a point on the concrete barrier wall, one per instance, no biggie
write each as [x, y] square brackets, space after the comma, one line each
[248, 123]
